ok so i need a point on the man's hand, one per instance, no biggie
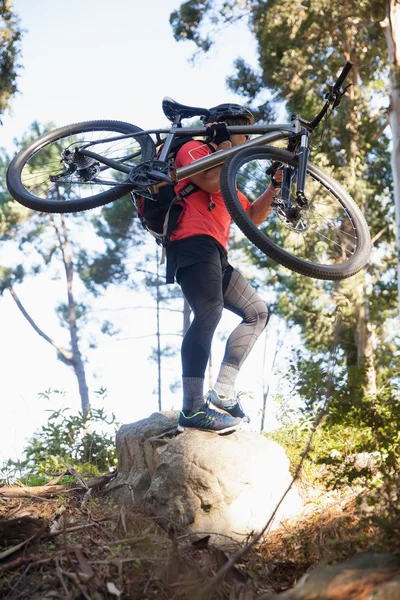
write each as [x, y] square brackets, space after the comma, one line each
[218, 133]
[276, 180]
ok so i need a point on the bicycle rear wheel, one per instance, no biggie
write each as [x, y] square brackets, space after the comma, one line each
[41, 177]
[330, 240]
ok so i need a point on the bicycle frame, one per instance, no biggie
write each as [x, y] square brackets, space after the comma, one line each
[297, 132]
[267, 135]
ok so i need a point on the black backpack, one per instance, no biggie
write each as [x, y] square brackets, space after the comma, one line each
[159, 214]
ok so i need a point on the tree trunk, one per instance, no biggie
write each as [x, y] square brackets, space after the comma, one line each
[158, 333]
[266, 379]
[363, 332]
[365, 339]
[76, 361]
[391, 27]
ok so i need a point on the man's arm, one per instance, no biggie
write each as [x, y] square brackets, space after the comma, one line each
[261, 208]
[220, 138]
[210, 180]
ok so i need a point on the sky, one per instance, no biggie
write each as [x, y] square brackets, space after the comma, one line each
[95, 59]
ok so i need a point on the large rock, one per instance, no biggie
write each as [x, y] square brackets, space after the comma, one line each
[368, 576]
[203, 482]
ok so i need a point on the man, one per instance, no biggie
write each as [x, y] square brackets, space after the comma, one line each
[197, 256]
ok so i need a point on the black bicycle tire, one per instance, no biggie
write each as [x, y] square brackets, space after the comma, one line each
[18, 191]
[242, 219]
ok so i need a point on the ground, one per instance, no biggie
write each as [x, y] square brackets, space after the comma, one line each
[74, 544]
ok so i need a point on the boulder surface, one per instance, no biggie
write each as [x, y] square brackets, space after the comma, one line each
[226, 485]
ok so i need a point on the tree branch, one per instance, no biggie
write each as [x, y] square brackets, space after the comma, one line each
[60, 242]
[65, 353]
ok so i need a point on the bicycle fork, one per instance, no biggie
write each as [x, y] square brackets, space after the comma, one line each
[299, 140]
[303, 155]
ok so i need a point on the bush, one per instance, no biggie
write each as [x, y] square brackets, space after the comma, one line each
[77, 440]
[349, 434]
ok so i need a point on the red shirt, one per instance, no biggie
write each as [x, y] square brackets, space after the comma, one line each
[196, 218]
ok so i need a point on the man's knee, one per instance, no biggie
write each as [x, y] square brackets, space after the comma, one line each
[263, 316]
[259, 317]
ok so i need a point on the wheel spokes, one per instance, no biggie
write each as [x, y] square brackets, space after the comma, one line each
[77, 183]
[323, 234]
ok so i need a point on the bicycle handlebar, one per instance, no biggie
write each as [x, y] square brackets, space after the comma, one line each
[333, 95]
[346, 70]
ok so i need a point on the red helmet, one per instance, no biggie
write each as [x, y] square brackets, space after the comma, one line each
[224, 111]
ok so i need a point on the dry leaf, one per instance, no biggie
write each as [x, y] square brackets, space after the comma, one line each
[112, 589]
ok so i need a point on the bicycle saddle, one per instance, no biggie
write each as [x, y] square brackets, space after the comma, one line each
[172, 109]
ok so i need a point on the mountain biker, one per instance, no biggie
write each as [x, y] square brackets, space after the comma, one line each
[197, 259]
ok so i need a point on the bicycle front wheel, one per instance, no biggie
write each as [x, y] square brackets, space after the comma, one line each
[49, 175]
[330, 240]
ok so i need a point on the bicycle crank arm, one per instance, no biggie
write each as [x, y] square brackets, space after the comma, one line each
[160, 176]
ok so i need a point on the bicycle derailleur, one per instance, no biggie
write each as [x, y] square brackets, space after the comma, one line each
[83, 167]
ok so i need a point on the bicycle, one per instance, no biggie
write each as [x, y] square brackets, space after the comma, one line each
[315, 228]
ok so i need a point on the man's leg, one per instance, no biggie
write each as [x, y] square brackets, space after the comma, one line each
[243, 300]
[201, 285]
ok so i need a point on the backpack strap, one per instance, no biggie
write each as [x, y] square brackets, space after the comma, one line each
[188, 189]
[210, 147]
[169, 223]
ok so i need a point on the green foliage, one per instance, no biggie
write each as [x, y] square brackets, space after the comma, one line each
[82, 441]
[358, 441]
[182, 22]
[245, 82]
[200, 21]
[12, 214]
[10, 51]
[9, 277]
[167, 351]
[108, 328]
[62, 311]
[249, 84]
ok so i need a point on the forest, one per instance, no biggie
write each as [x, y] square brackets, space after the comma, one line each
[337, 403]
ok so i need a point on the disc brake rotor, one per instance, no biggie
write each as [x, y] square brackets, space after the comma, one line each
[292, 218]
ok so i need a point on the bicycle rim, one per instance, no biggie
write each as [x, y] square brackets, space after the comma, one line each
[39, 177]
[330, 240]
